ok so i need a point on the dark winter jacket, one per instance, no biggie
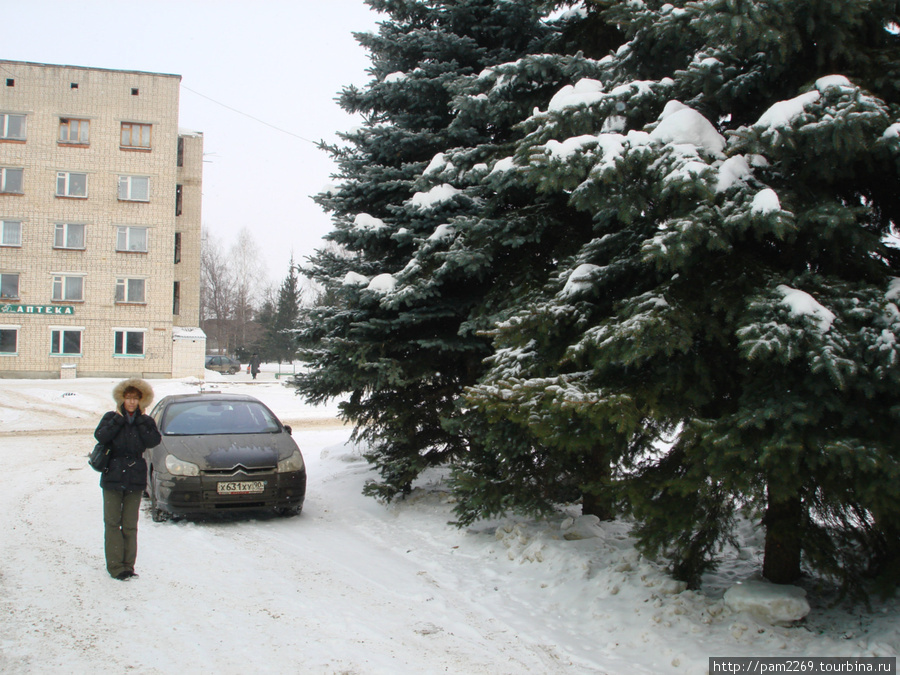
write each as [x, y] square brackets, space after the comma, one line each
[127, 440]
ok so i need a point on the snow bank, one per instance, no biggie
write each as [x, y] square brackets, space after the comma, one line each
[353, 585]
[773, 603]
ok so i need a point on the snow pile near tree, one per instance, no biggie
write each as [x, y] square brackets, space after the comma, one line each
[769, 602]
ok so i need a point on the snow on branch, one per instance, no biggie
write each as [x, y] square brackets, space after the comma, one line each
[803, 304]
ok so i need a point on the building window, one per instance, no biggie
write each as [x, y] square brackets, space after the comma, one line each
[70, 184]
[9, 339]
[9, 286]
[134, 188]
[68, 288]
[136, 135]
[179, 160]
[10, 233]
[176, 298]
[179, 192]
[129, 342]
[65, 341]
[11, 180]
[133, 239]
[69, 235]
[12, 127]
[177, 247]
[74, 131]
[130, 290]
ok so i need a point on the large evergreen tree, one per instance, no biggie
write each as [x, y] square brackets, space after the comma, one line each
[725, 334]
[424, 230]
[651, 243]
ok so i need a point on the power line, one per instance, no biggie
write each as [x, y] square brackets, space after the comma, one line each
[241, 112]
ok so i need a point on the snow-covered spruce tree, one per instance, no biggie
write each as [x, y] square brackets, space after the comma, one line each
[729, 324]
[280, 340]
[400, 337]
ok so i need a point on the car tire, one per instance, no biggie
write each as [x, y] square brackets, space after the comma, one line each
[289, 511]
[157, 515]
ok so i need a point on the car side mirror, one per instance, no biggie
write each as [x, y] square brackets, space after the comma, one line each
[287, 428]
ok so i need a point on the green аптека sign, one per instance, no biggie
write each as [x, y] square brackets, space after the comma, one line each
[55, 310]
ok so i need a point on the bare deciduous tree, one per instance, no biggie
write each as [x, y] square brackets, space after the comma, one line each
[248, 275]
[216, 294]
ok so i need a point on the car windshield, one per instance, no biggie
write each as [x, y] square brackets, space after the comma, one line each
[203, 418]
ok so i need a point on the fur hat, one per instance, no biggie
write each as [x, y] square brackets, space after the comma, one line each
[139, 384]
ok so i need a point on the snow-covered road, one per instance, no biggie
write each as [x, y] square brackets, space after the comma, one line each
[331, 591]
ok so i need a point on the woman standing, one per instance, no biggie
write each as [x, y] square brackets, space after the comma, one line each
[127, 431]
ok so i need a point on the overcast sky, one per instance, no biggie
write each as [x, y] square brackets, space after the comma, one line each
[282, 62]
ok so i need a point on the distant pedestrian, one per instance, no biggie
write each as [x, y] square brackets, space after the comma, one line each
[127, 431]
[254, 364]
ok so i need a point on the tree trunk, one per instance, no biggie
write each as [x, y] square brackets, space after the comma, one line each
[781, 564]
[596, 500]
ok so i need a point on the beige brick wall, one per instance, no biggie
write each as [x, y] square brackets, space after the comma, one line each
[187, 272]
[47, 94]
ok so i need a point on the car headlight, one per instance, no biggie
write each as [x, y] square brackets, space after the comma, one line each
[292, 463]
[179, 467]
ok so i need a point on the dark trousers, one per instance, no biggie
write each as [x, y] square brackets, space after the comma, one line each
[120, 521]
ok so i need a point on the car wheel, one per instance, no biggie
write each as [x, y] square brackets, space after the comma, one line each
[156, 513]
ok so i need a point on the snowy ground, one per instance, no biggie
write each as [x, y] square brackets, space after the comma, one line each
[350, 586]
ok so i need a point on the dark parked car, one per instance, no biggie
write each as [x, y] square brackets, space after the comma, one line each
[222, 451]
[223, 364]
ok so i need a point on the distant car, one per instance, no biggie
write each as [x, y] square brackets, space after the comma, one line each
[223, 364]
[222, 452]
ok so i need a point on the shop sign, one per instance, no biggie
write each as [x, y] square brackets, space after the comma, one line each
[55, 310]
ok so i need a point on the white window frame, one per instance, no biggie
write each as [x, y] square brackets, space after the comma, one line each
[130, 190]
[136, 135]
[61, 288]
[64, 232]
[4, 127]
[10, 274]
[58, 340]
[127, 240]
[66, 187]
[11, 233]
[5, 173]
[129, 288]
[120, 343]
[81, 128]
[16, 329]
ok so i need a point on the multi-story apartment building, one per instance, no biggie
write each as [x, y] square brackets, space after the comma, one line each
[99, 225]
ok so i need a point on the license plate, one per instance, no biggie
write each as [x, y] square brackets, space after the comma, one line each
[245, 487]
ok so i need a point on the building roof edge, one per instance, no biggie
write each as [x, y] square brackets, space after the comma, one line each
[107, 70]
